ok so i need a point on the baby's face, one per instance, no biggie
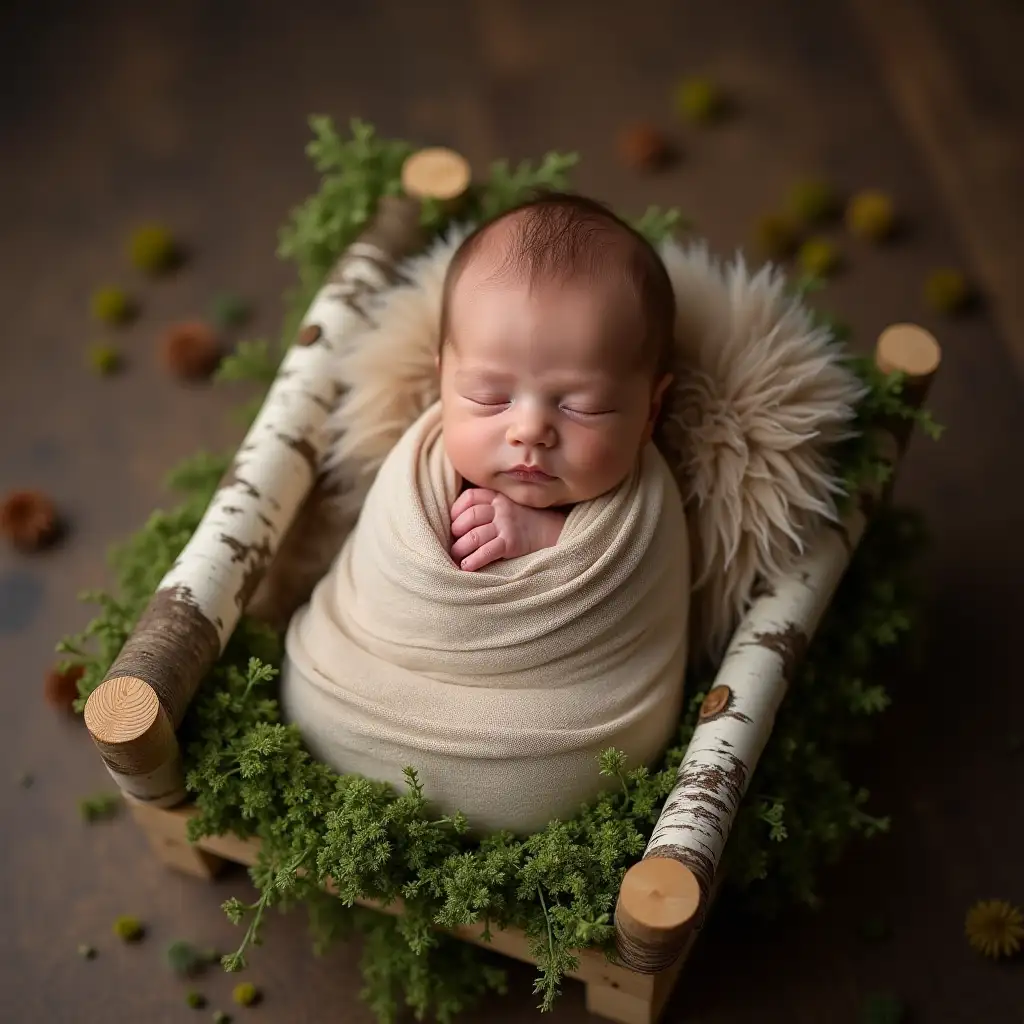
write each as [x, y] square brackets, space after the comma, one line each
[544, 395]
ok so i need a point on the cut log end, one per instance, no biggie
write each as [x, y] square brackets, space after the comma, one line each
[908, 349]
[436, 173]
[659, 901]
[129, 726]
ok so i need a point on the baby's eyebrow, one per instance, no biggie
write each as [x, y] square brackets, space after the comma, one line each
[483, 376]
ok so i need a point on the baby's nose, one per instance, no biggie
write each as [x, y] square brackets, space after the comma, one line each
[531, 428]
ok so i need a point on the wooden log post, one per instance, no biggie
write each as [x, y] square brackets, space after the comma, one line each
[134, 712]
[666, 895]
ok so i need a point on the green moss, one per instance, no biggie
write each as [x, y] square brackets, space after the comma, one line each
[220, 1017]
[819, 257]
[128, 929]
[99, 807]
[110, 305]
[245, 993]
[812, 201]
[187, 960]
[871, 215]
[87, 952]
[250, 774]
[700, 100]
[947, 291]
[883, 1008]
[776, 236]
[104, 359]
[196, 1000]
[228, 310]
[152, 249]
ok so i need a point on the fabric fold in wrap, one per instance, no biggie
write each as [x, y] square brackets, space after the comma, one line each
[500, 687]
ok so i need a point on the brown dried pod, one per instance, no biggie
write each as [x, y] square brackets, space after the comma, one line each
[643, 147]
[61, 688]
[28, 519]
[190, 350]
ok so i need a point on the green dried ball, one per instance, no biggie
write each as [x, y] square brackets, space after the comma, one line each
[883, 1008]
[220, 1017]
[245, 993]
[229, 310]
[776, 236]
[813, 201]
[185, 959]
[86, 952]
[700, 100]
[104, 359]
[26, 780]
[871, 215]
[99, 807]
[947, 291]
[128, 929]
[111, 305]
[152, 249]
[819, 257]
[196, 1000]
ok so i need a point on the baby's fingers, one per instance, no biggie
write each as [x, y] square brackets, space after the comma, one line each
[468, 499]
[476, 538]
[492, 551]
[475, 515]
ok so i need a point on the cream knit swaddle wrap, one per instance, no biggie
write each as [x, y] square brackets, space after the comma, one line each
[500, 687]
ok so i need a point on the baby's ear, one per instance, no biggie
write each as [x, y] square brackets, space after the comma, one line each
[657, 395]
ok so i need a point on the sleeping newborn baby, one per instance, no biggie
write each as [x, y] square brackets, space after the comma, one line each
[514, 597]
[556, 330]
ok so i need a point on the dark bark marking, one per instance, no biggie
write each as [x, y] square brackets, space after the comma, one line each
[231, 478]
[310, 335]
[303, 447]
[840, 528]
[789, 643]
[232, 510]
[761, 588]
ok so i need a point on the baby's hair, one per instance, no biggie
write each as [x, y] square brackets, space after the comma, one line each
[564, 236]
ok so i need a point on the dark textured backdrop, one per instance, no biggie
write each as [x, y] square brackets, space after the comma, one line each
[195, 114]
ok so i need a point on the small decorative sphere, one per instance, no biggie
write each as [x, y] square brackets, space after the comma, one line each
[152, 249]
[190, 350]
[111, 305]
[245, 993]
[700, 100]
[196, 1000]
[643, 147]
[128, 929]
[813, 201]
[229, 310]
[28, 519]
[871, 215]
[819, 257]
[104, 359]
[947, 291]
[776, 236]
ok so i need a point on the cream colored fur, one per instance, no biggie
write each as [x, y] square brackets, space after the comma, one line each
[759, 399]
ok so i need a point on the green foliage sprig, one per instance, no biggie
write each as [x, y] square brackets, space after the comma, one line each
[250, 774]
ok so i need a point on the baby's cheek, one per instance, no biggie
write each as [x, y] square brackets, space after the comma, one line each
[466, 446]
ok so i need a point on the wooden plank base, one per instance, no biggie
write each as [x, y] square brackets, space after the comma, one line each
[612, 991]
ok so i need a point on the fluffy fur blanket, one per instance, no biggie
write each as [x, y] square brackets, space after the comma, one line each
[500, 687]
[761, 396]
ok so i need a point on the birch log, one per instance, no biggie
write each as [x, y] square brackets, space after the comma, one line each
[133, 714]
[666, 895]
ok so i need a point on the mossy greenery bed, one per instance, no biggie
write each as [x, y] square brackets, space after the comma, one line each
[250, 775]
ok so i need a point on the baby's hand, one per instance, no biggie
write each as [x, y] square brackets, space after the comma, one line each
[489, 526]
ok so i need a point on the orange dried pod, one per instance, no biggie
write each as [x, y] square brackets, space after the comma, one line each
[61, 688]
[190, 350]
[28, 519]
[643, 147]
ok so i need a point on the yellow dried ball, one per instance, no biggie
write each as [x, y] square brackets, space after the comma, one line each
[104, 359]
[819, 257]
[946, 291]
[995, 928]
[700, 100]
[871, 215]
[245, 993]
[152, 249]
[812, 201]
[776, 236]
[111, 305]
[128, 929]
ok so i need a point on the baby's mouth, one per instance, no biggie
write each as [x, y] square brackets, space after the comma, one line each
[528, 474]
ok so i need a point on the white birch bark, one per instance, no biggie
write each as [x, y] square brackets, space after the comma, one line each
[199, 601]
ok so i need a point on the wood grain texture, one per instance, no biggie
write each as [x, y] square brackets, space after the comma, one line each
[971, 141]
[115, 114]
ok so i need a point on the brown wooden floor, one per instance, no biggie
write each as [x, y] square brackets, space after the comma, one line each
[195, 114]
